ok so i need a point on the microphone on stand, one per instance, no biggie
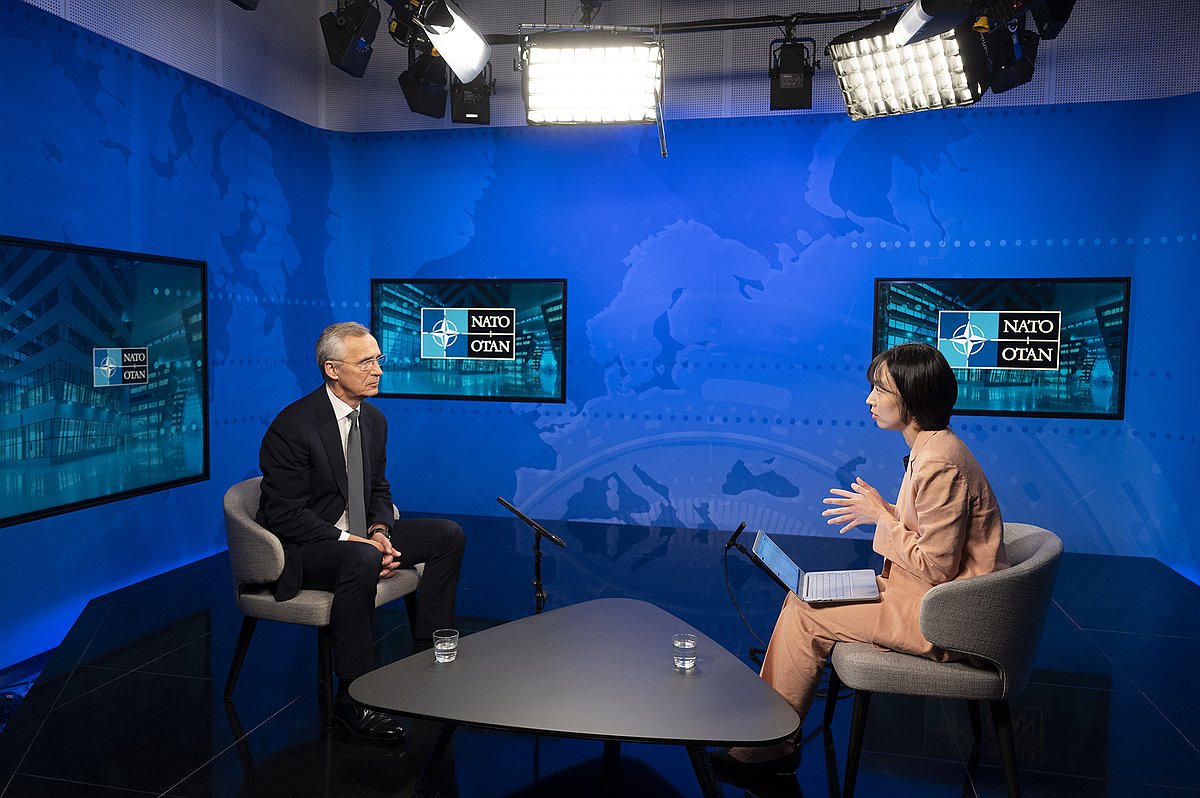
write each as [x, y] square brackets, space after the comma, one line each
[756, 652]
[541, 530]
[732, 542]
[539, 594]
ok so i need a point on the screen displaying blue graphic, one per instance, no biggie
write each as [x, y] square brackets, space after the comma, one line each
[1046, 347]
[502, 340]
[102, 376]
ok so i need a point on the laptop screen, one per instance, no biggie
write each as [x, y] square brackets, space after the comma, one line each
[774, 558]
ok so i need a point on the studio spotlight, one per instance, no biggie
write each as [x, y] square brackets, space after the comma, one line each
[471, 103]
[1014, 54]
[1050, 17]
[591, 77]
[349, 32]
[878, 78]
[424, 84]
[791, 74]
[456, 38]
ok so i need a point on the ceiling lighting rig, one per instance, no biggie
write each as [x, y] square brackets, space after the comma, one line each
[913, 56]
[941, 54]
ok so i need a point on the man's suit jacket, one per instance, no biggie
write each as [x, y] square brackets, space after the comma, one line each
[947, 526]
[304, 479]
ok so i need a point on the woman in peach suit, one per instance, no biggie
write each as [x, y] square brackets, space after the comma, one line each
[944, 525]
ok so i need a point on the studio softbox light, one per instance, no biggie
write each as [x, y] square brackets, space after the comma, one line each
[591, 77]
[878, 78]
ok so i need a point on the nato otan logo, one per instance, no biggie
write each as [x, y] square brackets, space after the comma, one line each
[1000, 339]
[469, 333]
[113, 367]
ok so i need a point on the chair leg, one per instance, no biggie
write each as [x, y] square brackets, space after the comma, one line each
[858, 725]
[1002, 719]
[976, 722]
[410, 609]
[325, 675]
[831, 696]
[239, 653]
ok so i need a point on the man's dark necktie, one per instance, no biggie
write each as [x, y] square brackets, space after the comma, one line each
[357, 505]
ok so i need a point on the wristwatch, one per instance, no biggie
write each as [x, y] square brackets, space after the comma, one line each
[381, 529]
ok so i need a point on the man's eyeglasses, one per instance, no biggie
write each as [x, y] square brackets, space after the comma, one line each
[365, 365]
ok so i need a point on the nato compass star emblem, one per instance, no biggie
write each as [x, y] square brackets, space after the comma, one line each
[107, 366]
[444, 333]
[968, 339]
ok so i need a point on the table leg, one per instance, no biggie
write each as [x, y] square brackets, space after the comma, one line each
[435, 756]
[611, 769]
[612, 753]
[704, 773]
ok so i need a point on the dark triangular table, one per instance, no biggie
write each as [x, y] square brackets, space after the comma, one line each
[602, 669]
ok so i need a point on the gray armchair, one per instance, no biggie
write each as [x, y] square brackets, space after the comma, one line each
[996, 618]
[256, 557]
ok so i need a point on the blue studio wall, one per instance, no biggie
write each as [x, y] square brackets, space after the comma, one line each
[719, 300]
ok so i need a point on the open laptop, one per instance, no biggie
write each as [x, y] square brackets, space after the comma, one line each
[815, 587]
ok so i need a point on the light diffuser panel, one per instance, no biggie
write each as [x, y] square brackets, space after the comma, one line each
[579, 78]
[878, 78]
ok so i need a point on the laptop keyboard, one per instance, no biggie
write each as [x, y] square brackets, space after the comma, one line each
[829, 584]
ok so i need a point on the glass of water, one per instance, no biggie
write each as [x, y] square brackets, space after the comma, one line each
[683, 646]
[445, 645]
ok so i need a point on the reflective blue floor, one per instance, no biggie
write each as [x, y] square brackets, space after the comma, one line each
[131, 703]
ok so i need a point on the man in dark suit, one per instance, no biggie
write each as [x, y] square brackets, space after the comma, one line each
[325, 495]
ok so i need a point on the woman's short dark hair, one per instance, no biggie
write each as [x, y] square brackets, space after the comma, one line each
[924, 380]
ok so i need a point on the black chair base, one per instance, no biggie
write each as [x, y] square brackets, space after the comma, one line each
[324, 667]
[1001, 722]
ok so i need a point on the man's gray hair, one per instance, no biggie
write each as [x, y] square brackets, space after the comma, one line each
[332, 343]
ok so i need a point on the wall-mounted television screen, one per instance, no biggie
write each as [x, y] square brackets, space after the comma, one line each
[103, 380]
[500, 340]
[1026, 347]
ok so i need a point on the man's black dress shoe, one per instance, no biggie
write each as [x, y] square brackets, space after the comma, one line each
[724, 764]
[367, 724]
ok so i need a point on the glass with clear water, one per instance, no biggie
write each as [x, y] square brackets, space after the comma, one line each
[445, 645]
[683, 646]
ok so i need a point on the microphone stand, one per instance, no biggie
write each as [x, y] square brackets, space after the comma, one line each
[539, 532]
[539, 594]
[755, 653]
